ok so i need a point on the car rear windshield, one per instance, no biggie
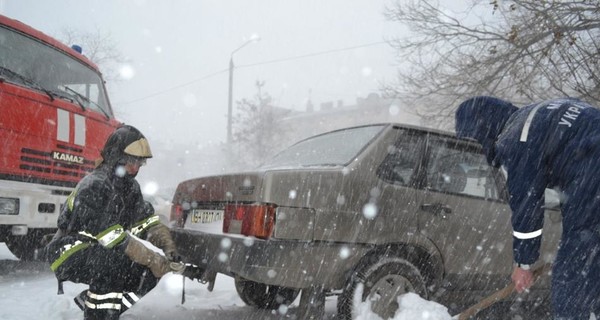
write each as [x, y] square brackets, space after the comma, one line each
[335, 148]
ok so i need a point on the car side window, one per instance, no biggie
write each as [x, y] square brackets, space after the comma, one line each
[400, 164]
[457, 168]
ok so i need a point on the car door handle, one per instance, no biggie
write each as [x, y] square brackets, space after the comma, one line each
[436, 208]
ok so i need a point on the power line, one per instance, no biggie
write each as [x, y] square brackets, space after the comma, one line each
[173, 88]
[252, 65]
[312, 54]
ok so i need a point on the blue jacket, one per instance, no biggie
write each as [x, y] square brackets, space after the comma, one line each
[539, 146]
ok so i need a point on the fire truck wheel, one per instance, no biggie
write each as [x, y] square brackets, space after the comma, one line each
[23, 247]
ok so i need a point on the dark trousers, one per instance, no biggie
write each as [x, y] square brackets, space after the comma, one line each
[115, 282]
[576, 271]
[576, 277]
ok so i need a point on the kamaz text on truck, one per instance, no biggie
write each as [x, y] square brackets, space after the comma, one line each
[54, 118]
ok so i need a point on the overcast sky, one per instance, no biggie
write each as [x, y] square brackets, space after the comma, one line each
[179, 53]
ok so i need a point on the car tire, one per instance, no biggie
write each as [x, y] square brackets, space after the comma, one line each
[23, 247]
[264, 296]
[383, 281]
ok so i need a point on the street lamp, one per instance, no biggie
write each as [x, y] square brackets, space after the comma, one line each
[253, 38]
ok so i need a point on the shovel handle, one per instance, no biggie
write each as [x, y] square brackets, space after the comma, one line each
[500, 294]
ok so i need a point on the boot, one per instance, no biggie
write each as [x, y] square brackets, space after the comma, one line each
[102, 306]
[128, 300]
[80, 299]
[158, 264]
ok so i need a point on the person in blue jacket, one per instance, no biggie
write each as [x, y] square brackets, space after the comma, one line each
[550, 144]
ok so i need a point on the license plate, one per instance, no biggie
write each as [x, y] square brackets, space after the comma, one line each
[206, 216]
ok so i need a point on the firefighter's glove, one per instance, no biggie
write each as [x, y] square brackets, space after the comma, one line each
[160, 236]
[173, 256]
[157, 263]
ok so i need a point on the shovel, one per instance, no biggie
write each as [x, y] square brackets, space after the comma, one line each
[499, 295]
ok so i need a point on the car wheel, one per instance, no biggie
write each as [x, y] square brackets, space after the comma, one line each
[23, 247]
[264, 296]
[383, 281]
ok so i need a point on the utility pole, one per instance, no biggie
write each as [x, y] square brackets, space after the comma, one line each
[229, 102]
[253, 38]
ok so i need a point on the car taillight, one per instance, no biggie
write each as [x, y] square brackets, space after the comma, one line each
[177, 215]
[253, 219]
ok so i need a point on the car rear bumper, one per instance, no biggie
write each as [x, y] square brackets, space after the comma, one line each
[286, 263]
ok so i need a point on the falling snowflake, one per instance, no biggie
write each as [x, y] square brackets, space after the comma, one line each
[370, 211]
[248, 242]
[292, 194]
[344, 252]
[120, 171]
[126, 72]
[225, 243]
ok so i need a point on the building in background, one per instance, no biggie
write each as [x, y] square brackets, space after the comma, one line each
[336, 115]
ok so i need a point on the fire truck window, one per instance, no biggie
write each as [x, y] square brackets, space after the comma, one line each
[30, 63]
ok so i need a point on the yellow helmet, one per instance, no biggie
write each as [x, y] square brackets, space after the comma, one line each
[125, 143]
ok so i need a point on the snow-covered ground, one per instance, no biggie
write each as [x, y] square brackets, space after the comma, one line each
[28, 292]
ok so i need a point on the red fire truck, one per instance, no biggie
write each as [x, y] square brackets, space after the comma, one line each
[54, 118]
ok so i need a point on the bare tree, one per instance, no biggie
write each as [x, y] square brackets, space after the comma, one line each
[257, 134]
[99, 47]
[521, 50]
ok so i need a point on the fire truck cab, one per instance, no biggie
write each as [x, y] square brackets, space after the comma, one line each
[55, 116]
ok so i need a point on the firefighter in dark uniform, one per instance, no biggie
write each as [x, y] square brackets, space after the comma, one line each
[99, 229]
[551, 144]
